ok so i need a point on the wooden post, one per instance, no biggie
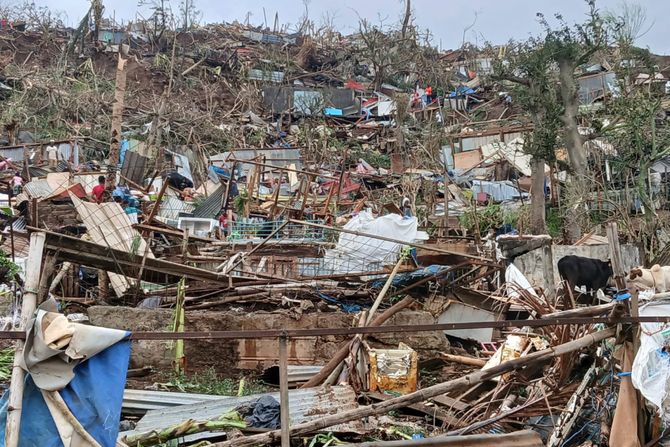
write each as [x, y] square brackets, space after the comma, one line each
[157, 205]
[615, 256]
[548, 267]
[283, 392]
[339, 183]
[445, 226]
[103, 285]
[33, 270]
[117, 119]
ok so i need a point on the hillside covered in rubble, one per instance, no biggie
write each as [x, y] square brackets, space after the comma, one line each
[221, 234]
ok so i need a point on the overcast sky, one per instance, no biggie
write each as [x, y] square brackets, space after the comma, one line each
[494, 20]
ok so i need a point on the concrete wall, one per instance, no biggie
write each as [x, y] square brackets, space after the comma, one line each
[530, 263]
[250, 354]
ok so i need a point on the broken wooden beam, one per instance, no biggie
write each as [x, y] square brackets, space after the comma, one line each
[435, 413]
[588, 311]
[568, 418]
[87, 253]
[464, 360]
[426, 393]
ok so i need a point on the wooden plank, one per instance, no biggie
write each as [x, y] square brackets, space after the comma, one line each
[75, 250]
[467, 160]
[451, 403]
[433, 412]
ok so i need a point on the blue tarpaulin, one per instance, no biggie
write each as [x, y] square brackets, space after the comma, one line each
[461, 91]
[407, 278]
[94, 397]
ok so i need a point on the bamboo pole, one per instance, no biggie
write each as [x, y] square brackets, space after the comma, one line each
[424, 394]
[33, 270]
[59, 276]
[470, 361]
[382, 293]
[284, 414]
[57, 400]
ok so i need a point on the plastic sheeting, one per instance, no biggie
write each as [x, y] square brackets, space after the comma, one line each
[94, 396]
[499, 191]
[407, 278]
[362, 253]
[651, 368]
[516, 279]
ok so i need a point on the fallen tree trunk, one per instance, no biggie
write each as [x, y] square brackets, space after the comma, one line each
[343, 352]
[424, 394]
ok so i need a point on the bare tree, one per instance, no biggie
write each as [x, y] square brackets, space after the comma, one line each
[529, 67]
[189, 13]
[161, 16]
[629, 23]
[407, 18]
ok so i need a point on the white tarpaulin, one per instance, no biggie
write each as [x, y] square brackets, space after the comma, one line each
[517, 280]
[651, 368]
[362, 253]
[511, 151]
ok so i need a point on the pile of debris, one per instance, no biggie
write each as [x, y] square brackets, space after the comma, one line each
[281, 209]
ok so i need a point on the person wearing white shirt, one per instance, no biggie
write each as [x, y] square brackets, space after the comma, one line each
[52, 154]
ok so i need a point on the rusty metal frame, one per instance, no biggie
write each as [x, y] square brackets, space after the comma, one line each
[306, 333]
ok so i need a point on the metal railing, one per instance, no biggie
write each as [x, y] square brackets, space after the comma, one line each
[250, 229]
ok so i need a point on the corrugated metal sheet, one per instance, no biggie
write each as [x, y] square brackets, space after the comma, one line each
[16, 154]
[38, 189]
[172, 205]
[134, 167]
[212, 205]
[305, 405]
[108, 225]
[141, 401]
[266, 75]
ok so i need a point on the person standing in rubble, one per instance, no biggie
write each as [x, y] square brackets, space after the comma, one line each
[132, 211]
[52, 154]
[406, 207]
[429, 94]
[17, 183]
